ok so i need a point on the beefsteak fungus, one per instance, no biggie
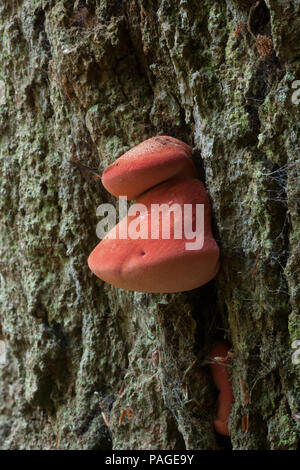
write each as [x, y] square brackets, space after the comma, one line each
[150, 251]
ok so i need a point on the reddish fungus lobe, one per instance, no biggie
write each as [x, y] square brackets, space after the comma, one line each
[157, 171]
[221, 378]
[166, 265]
[149, 163]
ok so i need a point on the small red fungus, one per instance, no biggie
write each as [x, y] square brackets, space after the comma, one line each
[221, 378]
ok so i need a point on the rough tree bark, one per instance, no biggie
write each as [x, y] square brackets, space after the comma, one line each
[90, 79]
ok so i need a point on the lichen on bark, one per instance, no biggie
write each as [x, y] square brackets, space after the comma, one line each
[91, 79]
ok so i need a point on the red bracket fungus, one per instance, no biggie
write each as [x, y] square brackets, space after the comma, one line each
[220, 374]
[157, 171]
[148, 164]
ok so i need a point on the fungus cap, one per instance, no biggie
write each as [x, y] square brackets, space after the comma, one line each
[158, 265]
[153, 161]
[221, 378]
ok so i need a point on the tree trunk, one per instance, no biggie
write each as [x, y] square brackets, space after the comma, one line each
[88, 80]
